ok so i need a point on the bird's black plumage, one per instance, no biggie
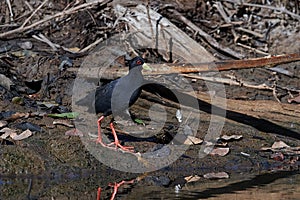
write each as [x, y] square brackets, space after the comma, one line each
[115, 97]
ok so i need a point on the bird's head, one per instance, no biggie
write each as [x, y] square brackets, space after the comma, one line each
[138, 62]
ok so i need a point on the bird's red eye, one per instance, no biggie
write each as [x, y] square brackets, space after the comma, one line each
[138, 62]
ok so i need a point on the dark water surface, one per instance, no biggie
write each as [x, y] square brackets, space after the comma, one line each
[273, 185]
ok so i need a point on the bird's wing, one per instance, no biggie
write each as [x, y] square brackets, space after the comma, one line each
[103, 97]
[106, 90]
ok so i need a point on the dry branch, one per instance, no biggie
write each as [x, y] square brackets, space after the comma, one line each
[116, 72]
[224, 65]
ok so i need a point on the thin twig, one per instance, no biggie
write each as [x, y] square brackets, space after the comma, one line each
[281, 9]
[29, 6]
[10, 10]
[91, 46]
[60, 14]
[233, 81]
[250, 32]
[275, 95]
[230, 81]
[27, 20]
[43, 38]
[252, 49]
[55, 46]
[149, 20]
[221, 10]
[206, 36]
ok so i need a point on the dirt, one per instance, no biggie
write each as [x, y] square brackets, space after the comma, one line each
[53, 164]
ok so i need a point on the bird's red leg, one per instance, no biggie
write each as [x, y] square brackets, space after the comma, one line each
[117, 142]
[99, 139]
[98, 193]
[117, 185]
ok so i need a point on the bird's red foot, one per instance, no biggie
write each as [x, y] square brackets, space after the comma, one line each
[124, 148]
[99, 141]
[116, 143]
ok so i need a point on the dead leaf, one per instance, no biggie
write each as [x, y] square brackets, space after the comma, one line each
[7, 132]
[3, 123]
[18, 100]
[25, 45]
[220, 151]
[295, 99]
[74, 132]
[207, 143]
[295, 148]
[5, 135]
[64, 122]
[231, 137]
[5, 82]
[208, 149]
[192, 140]
[194, 178]
[25, 134]
[217, 175]
[245, 154]
[74, 49]
[221, 144]
[18, 115]
[279, 145]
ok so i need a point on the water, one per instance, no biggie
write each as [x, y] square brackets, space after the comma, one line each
[275, 185]
[279, 185]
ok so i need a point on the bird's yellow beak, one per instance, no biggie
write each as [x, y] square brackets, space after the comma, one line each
[146, 67]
